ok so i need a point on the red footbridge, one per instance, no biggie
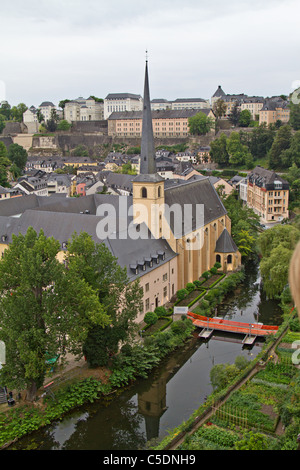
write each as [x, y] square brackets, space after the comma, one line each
[250, 330]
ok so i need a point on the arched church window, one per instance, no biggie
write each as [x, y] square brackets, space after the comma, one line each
[159, 191]
[144, 192]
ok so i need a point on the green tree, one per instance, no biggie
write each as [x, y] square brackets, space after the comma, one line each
[121, 299]
[45, 309]
[277, 245]
[245, 243]
[245, 118]
[220, 108]
[218, 151]
[295, 115]
[17, 155]
[64, 125]
[17, 112]
[238, 153]
[200, 124]
[234, 116]
[2, 123]
[5, 110]
[51, 124]
[292, 154]
[281, 143]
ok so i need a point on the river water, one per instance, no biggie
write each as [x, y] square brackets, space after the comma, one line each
[146, 411]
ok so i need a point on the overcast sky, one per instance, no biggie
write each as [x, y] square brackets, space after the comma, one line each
[52, 50]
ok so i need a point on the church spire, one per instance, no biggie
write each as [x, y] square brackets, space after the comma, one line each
[147, 164]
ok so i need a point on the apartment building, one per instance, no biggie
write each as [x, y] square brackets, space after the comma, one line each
[190, 103]
[253, 104]
[274, 109]
[46, 107]
[268, 195]
[166, 123]
[120, 102]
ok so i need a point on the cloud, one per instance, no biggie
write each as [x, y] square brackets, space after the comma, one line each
[63, 49]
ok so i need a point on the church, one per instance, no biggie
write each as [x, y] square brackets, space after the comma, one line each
[180, 227]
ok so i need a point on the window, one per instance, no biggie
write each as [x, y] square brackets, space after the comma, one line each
[147, 287]
[144, 192]
[165, 277]
[147, 305]
[165, 291]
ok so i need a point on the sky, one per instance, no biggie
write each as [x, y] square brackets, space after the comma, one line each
[63, 49]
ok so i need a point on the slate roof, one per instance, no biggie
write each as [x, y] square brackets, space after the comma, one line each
[225, 243]
[198, 192]
[159, 114]
[120, 96]
[266, 178]
[218, 93]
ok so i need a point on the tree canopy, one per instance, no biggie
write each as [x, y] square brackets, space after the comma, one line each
[45, 309]
[276, 246]
[200, 124]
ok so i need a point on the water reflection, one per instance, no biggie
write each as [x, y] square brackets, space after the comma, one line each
[171, 393]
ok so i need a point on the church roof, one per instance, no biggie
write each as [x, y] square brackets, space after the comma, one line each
[201, 195]
[225, 243]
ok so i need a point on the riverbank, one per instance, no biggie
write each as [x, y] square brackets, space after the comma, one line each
[205, 414]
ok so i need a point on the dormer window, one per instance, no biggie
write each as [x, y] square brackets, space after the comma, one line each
[64, 245]
[161, 254]
[4, 238]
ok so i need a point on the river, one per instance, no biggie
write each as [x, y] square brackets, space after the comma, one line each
[146, 411]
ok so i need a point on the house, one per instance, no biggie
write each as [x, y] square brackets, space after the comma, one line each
[46, 107]
[32, 185]
[60, 184]
[190, 103]
[120, 102]
[222, 185]
[82, 109]
[274, 109]
[30, 120]
[4, 193]
[268, 195]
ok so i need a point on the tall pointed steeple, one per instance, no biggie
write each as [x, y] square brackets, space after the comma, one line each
[147, 164]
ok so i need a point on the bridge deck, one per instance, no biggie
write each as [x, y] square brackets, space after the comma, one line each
[220, 324]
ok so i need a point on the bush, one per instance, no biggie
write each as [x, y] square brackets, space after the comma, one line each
[214, 270]
[217, 265]
[205, 275]
[190, 287]
[150, 318]
[197, 283]
[181, 294]
[160, 311]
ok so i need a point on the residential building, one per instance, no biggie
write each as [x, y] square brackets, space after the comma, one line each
[222, 185]
[218, 94]
[268, 195]
[46, 107]
[160, 104]
[190, 103]
[253, 104]
[4, 193]
[120, 102]
[82, 109]
[60, 184]
[274, 109]
[32, 185]
[166, 123]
